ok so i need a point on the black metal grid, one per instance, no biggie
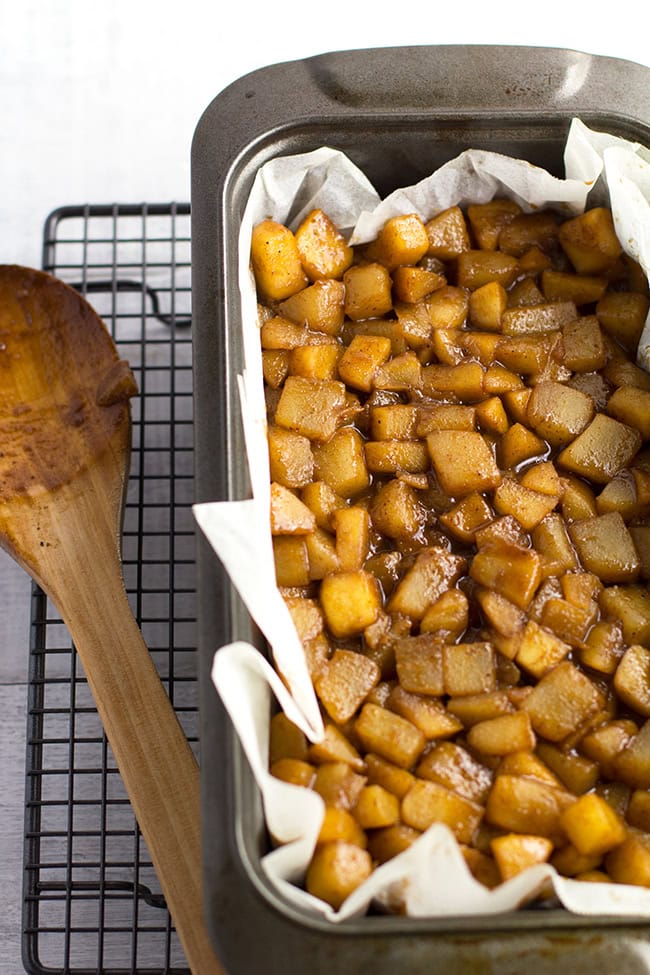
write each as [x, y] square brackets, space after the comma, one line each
[92, 903]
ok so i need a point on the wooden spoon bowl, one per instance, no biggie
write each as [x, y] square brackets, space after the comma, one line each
[64, 457]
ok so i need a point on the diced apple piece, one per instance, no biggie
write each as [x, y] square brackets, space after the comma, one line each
[341, 463]
[426, 713]
[603, 647]
[569, 621]
[577, 773]
[629, 863]
[396, 456]
[361, 360]
[376, 808]
[323, 250]
[310, 407]
[622, 315]
[452, 766]
[590, 241]
[291, 560]
[275, 365]
[463, 382]
[511, 570]
[466, 517]
[491, 415]
[314, 361]
[631, 406]
[389, 735]
[351, 601]
[561, 701]
[526, 805]
[391, 777]
[547, 317]
[352, 528]
[411, 284]
[603, 448]
[487, 220]
[558, 413]
[319, 307]
[401, 240]
[463, 462]
[638, 811]
[335, 747]
[630, 605]
[448, 615]
[476, 268]
[603, 744]
[336, 870]
[340, 825]
[529, 230]
[419, 664]
[592, 825]
[428, 802]
[515, 852]
[289, 516]
[502, 735]
[434, 571]
[321, 554]
[582, 289]
[584, 348]
[605, 547]
[540, 650]
[632, 679]
[345, 683]
[286, 739]
[398, 421]
[472, 708]
[487, 305]
[527, 506]
[447, 416]
[295, 771]
[276, 261]
[448, 234]
[291, 458]
[396, 511]
[468, 668]
[368, 291]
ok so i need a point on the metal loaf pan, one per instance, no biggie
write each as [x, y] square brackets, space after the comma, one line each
[398, 113]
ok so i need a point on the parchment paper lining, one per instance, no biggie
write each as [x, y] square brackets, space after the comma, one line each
[431, 877]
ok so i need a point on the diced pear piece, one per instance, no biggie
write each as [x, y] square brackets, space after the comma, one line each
[629, 863]
[289, 516]
[622, 315]
[515, 852]
[401, 240]
[451, 765]
[521, 804]
[310, 407]
[561, 701]
[336, 870]
[276, 261]
[476, 268]
[603, 448]
[463, 462]
[384, 844]
[487, 220]
[605, 547]
[448, 235]
[502, 735]
[389, 735]
[368, 291]
[511, 570]
[341, 463]
[434, 571]
[323, 250]
[590, 241]
[631, 406]
[345, 683]
[428, 802]
[592, 825]
[558, 413]
[630, 605]
[632, 679]
[351, 601]
[291, 458]
[540, 649]
[426, 713]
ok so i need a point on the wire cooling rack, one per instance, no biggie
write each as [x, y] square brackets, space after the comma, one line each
[92, 903]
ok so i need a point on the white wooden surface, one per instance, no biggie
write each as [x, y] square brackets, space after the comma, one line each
[98, 103]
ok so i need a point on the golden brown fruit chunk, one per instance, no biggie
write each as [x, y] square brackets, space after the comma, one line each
[605, 547]
[463, 462]
[629, 863]
[402, 240]
[427, 803]
[602, 449]
[367, 291]
[276, 261]
[632, 679]
[561, 701]
[389, 735]
[447, 234]
[434, 571]
[336, 870]
[515, 852]
[558, 413]
[323, 251]
[351, 601]
[590, 241]
[592, 825]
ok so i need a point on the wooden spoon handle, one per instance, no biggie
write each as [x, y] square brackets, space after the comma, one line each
[156, 763]
[78, 565]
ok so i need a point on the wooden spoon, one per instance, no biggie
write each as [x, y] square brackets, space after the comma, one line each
[64, 456]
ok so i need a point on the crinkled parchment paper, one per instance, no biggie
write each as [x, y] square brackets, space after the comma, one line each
[430, 878]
